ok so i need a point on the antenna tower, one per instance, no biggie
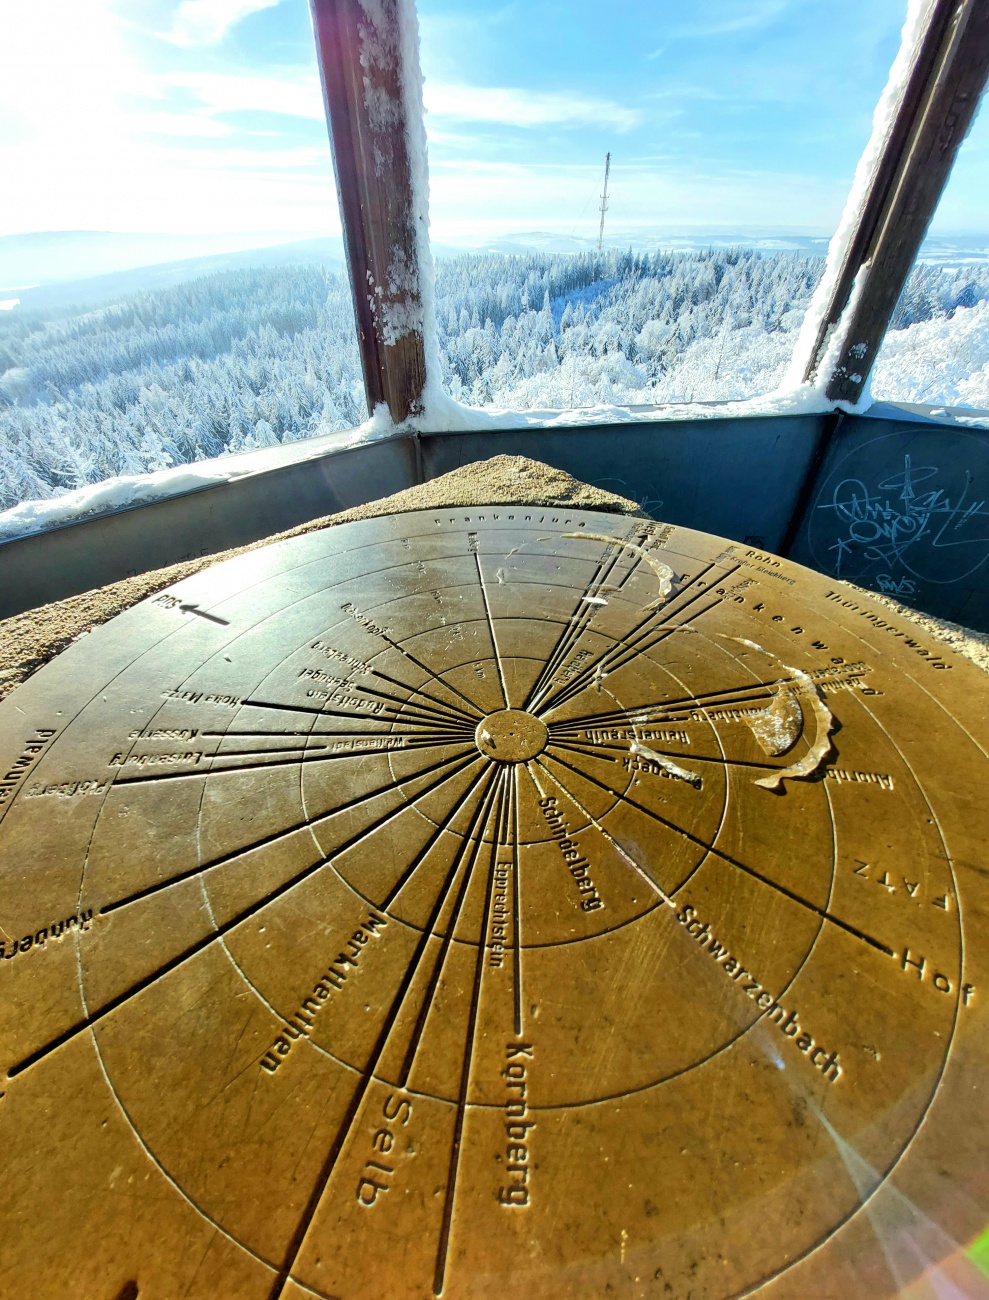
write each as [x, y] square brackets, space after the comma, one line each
[604, 198]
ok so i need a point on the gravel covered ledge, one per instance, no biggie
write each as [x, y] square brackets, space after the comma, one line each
[30, 640]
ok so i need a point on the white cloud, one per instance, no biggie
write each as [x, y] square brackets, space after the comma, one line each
[221, 92]
[206, 22]
[512, 106]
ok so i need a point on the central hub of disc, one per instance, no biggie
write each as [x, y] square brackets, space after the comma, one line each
[510, 736]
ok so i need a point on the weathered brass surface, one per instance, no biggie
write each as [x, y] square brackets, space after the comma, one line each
[499, 903]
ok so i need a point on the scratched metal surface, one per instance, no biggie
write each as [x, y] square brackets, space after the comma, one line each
[469, 903]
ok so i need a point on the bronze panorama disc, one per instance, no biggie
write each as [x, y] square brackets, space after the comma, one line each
[511, 902]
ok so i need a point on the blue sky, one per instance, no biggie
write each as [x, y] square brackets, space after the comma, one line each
[203, 117]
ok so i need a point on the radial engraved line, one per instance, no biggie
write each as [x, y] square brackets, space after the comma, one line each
[574, 626]
[93, 1018]
[734, 862]
[469, 854]
[625, 653]
[454, 709]
[587, 750]
[581, 620]
[326, 1172]
[517, 905]
[420, 857]
[637, 631]
[442, 742]
[449, 1199]
[708, 700]
[310, 710]
[478, 712]
[636, 866]
[298, 826]
[393, 715]
[631, 642]
[304, 826]
[411, 707]
[491, 631]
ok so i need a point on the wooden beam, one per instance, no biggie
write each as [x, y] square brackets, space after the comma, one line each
[363, 76]
[936, 109]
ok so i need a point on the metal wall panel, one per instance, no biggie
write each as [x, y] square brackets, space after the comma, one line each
[901, 508]
[737, 478]
[49, 566]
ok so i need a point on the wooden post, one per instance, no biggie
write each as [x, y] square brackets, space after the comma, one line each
[363, 76]
[935, 111]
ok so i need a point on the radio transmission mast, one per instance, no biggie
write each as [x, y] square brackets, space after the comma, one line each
[604, 198]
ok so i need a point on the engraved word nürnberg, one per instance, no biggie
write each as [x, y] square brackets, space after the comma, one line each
[486, 894]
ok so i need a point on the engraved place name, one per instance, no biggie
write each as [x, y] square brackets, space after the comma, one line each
[329, 652]
[156, 760]
[842, 776]
[500, 913]
[345, 699]
[882, 878]
[21, 765]
[840, 676]
[362, 619]
[577, 865]
[881, 625]
[203, 697]
[600, 737]
[374, 1177]
[572, 667]
[66, 789]
[355, 744]
[649, 767]
[339, 692]
[516, 1190]
[788, 1022]
[165, 733]
[915, 964]
[333, 979]
[37, 942]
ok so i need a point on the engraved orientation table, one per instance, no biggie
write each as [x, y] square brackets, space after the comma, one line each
[488, 902]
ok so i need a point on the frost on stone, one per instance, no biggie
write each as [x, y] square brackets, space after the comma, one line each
[663, 571]
[777, 728]
[808, 700]
[639, 750]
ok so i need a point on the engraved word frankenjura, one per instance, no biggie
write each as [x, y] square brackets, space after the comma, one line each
[299, 1024]
[787, 1021]
[577, 864]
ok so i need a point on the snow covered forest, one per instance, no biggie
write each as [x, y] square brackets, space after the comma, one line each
[248, 359]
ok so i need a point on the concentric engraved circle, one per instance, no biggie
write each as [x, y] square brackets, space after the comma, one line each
[375, 934]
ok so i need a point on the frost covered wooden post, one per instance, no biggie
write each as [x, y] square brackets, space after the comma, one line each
[361, 46]
[938, 102]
